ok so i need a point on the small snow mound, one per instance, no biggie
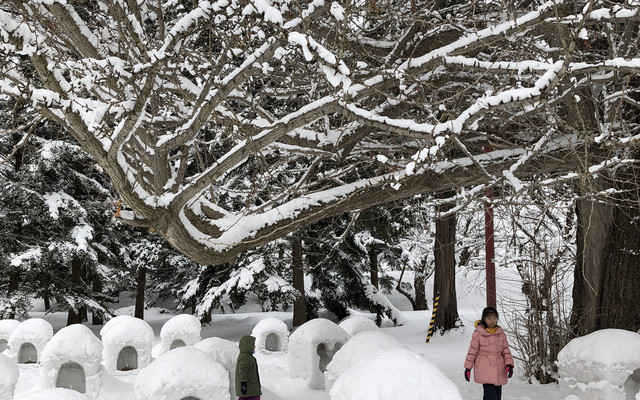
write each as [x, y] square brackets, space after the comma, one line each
[357, 323]
[597, 365]
[224, 352]
[52, 394]
[271, 335]
[411, 377]
[181, 330]
[180, 373]
[127, 343]
[8, 377]
[311, 348]
[28, 340]
[357, 348]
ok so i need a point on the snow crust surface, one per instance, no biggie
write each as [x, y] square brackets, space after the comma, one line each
[8, 377]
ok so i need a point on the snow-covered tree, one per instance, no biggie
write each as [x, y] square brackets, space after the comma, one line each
[195, 108]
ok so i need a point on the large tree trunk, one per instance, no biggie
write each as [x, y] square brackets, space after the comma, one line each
[607, 273]
[141, 282]
[445, 271]
[73, 317]
[373, 267]
[299, 305]
[97, 318]
[420, 287]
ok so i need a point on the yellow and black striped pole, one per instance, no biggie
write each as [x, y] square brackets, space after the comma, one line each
[433, 316]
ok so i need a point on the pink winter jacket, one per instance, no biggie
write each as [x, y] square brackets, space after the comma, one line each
[489, 354]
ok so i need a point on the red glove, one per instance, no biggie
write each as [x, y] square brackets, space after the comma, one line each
[467, 374]
[509, 370]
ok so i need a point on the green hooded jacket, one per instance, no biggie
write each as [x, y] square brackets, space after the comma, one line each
[247, 368]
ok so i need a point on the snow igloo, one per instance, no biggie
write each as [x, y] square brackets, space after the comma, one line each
[272, 335]
[7, 326]
[28, 340]
[181, 330]
[356, 324]
[357, 348]
[72, 360]
[311, 348]
[412, 377]
[603, 365]
[224, 352]
[184, 373]
[127, 344]
[8, 377]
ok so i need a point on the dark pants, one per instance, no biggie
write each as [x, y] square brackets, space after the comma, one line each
[249, 398]
[491, 392]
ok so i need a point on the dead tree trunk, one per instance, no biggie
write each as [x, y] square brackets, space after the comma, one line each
[299, 304]
[445, 268]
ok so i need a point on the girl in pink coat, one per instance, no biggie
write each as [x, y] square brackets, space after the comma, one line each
[489, 356]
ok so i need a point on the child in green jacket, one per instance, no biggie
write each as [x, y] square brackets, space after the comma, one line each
[247, 376]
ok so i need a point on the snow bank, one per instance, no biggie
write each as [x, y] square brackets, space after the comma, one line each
[271, 335]
[311, 348]
[72, 360]
[394, 374]
[7, 326]
[357, 323]
[8, 377]
[52, 394]
[224, 352]
[596, 366]
[357, 348]
[181, 330]
[180, 373]
[28, 339]
[127, 344]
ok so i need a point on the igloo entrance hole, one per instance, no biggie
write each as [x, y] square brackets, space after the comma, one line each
[326, 355]
[127, 359]
[71, 376]
[3, 345]
[177, 343]
[27, 354]
[632, 385]
[272, 342]
[190, 398]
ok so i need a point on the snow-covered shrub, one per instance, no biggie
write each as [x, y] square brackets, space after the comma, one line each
[28, 340]
[394, 374]
[596, 366]
[72, 360]
[356, 324]
[127, 343]
[358, 347]
[180, 373]
[7, 326]
[311, 348]
[181, 330]
[271, 335]
[8, 377]
[224, 352]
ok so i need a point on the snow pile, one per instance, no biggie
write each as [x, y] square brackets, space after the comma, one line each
[127, 343]
[357, 348]
[181, 330]
[394, 374]
[7, 326]
[52, 394]
[596, 366]
[271, 335]
[72, 360]
[356, 324]
[28, 339]
[224, 352]
[8, 377]
[180, 373]
[311, 348]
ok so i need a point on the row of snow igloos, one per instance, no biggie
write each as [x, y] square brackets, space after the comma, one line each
[74, 358]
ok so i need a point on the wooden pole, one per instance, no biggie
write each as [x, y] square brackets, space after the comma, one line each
[433, 316]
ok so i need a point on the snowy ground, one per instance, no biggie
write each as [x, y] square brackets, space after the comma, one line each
[446, 352]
